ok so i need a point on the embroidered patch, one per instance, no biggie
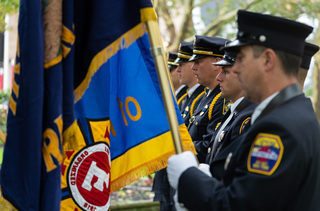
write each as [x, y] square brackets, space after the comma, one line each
[244, 124]
[265, 154]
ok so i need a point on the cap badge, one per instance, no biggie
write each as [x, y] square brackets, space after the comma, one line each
[262, 38]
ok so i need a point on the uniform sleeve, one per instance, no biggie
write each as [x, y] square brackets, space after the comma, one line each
[267, 173]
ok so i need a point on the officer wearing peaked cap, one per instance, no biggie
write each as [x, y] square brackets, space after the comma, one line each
[161, 188]
[212, 106]
[308, 52]
[179, 89]
[236, 121]
[276, 165]
[188, 102]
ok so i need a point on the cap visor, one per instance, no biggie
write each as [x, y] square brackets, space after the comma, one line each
[180, 60]
[234, 45]
[223, 63]
[196, 57]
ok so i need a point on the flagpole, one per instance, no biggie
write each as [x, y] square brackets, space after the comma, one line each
[162, 72]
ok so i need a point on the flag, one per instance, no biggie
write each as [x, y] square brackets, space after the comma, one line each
[118, 104]
[40, 108]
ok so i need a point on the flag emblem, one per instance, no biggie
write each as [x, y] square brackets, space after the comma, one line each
[88, 177]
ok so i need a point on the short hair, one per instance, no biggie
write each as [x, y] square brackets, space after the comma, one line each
[290, 63]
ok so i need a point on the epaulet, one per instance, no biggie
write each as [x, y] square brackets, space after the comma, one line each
[215, 99]
[194, 102]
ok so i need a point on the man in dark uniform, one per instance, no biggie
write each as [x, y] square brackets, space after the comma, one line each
[212, 106]
[234, 123]
[189, 102]
[190, 99]
[276, 165]
[179, 89]
[309, 50]
[161, 188]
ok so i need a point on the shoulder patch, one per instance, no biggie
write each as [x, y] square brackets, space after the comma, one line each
[265, 154]
[244, 125]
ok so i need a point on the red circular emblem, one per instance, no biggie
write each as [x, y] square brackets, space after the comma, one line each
[89, 177]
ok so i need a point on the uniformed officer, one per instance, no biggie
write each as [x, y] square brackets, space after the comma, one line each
[161, 188]
[234, 123]
[309, 50]
[190, 100]
[179, 89]
[212, 106]
[276, 165]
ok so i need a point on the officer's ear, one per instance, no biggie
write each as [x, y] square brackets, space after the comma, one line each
[269, 58]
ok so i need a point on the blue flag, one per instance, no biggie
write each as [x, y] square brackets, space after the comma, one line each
[40, 107]
[118, 104]
[86, 112]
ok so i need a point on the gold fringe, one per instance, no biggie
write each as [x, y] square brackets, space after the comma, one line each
[6, 205]
[103, 56]
[148, 14]
[146, 169]
[215, 99]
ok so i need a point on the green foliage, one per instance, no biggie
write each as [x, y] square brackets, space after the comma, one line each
[4, 95]
[4, 99]
[7, 7]
[308, 92]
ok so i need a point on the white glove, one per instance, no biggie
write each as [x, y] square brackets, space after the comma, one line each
[178, 164]
[177, 204]
[205, 168]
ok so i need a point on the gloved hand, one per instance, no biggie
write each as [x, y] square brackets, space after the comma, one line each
[177, 204]
[205, 168]
[178, 164]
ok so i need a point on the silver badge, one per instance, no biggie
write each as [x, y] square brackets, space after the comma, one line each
[221, 136]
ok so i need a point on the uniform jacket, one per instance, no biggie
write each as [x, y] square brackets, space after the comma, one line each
[275, 166]
[190, 102]
[205, 120]
[182, 91]
[239, 123]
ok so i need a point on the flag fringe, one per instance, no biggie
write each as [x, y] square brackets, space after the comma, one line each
[146, 169]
